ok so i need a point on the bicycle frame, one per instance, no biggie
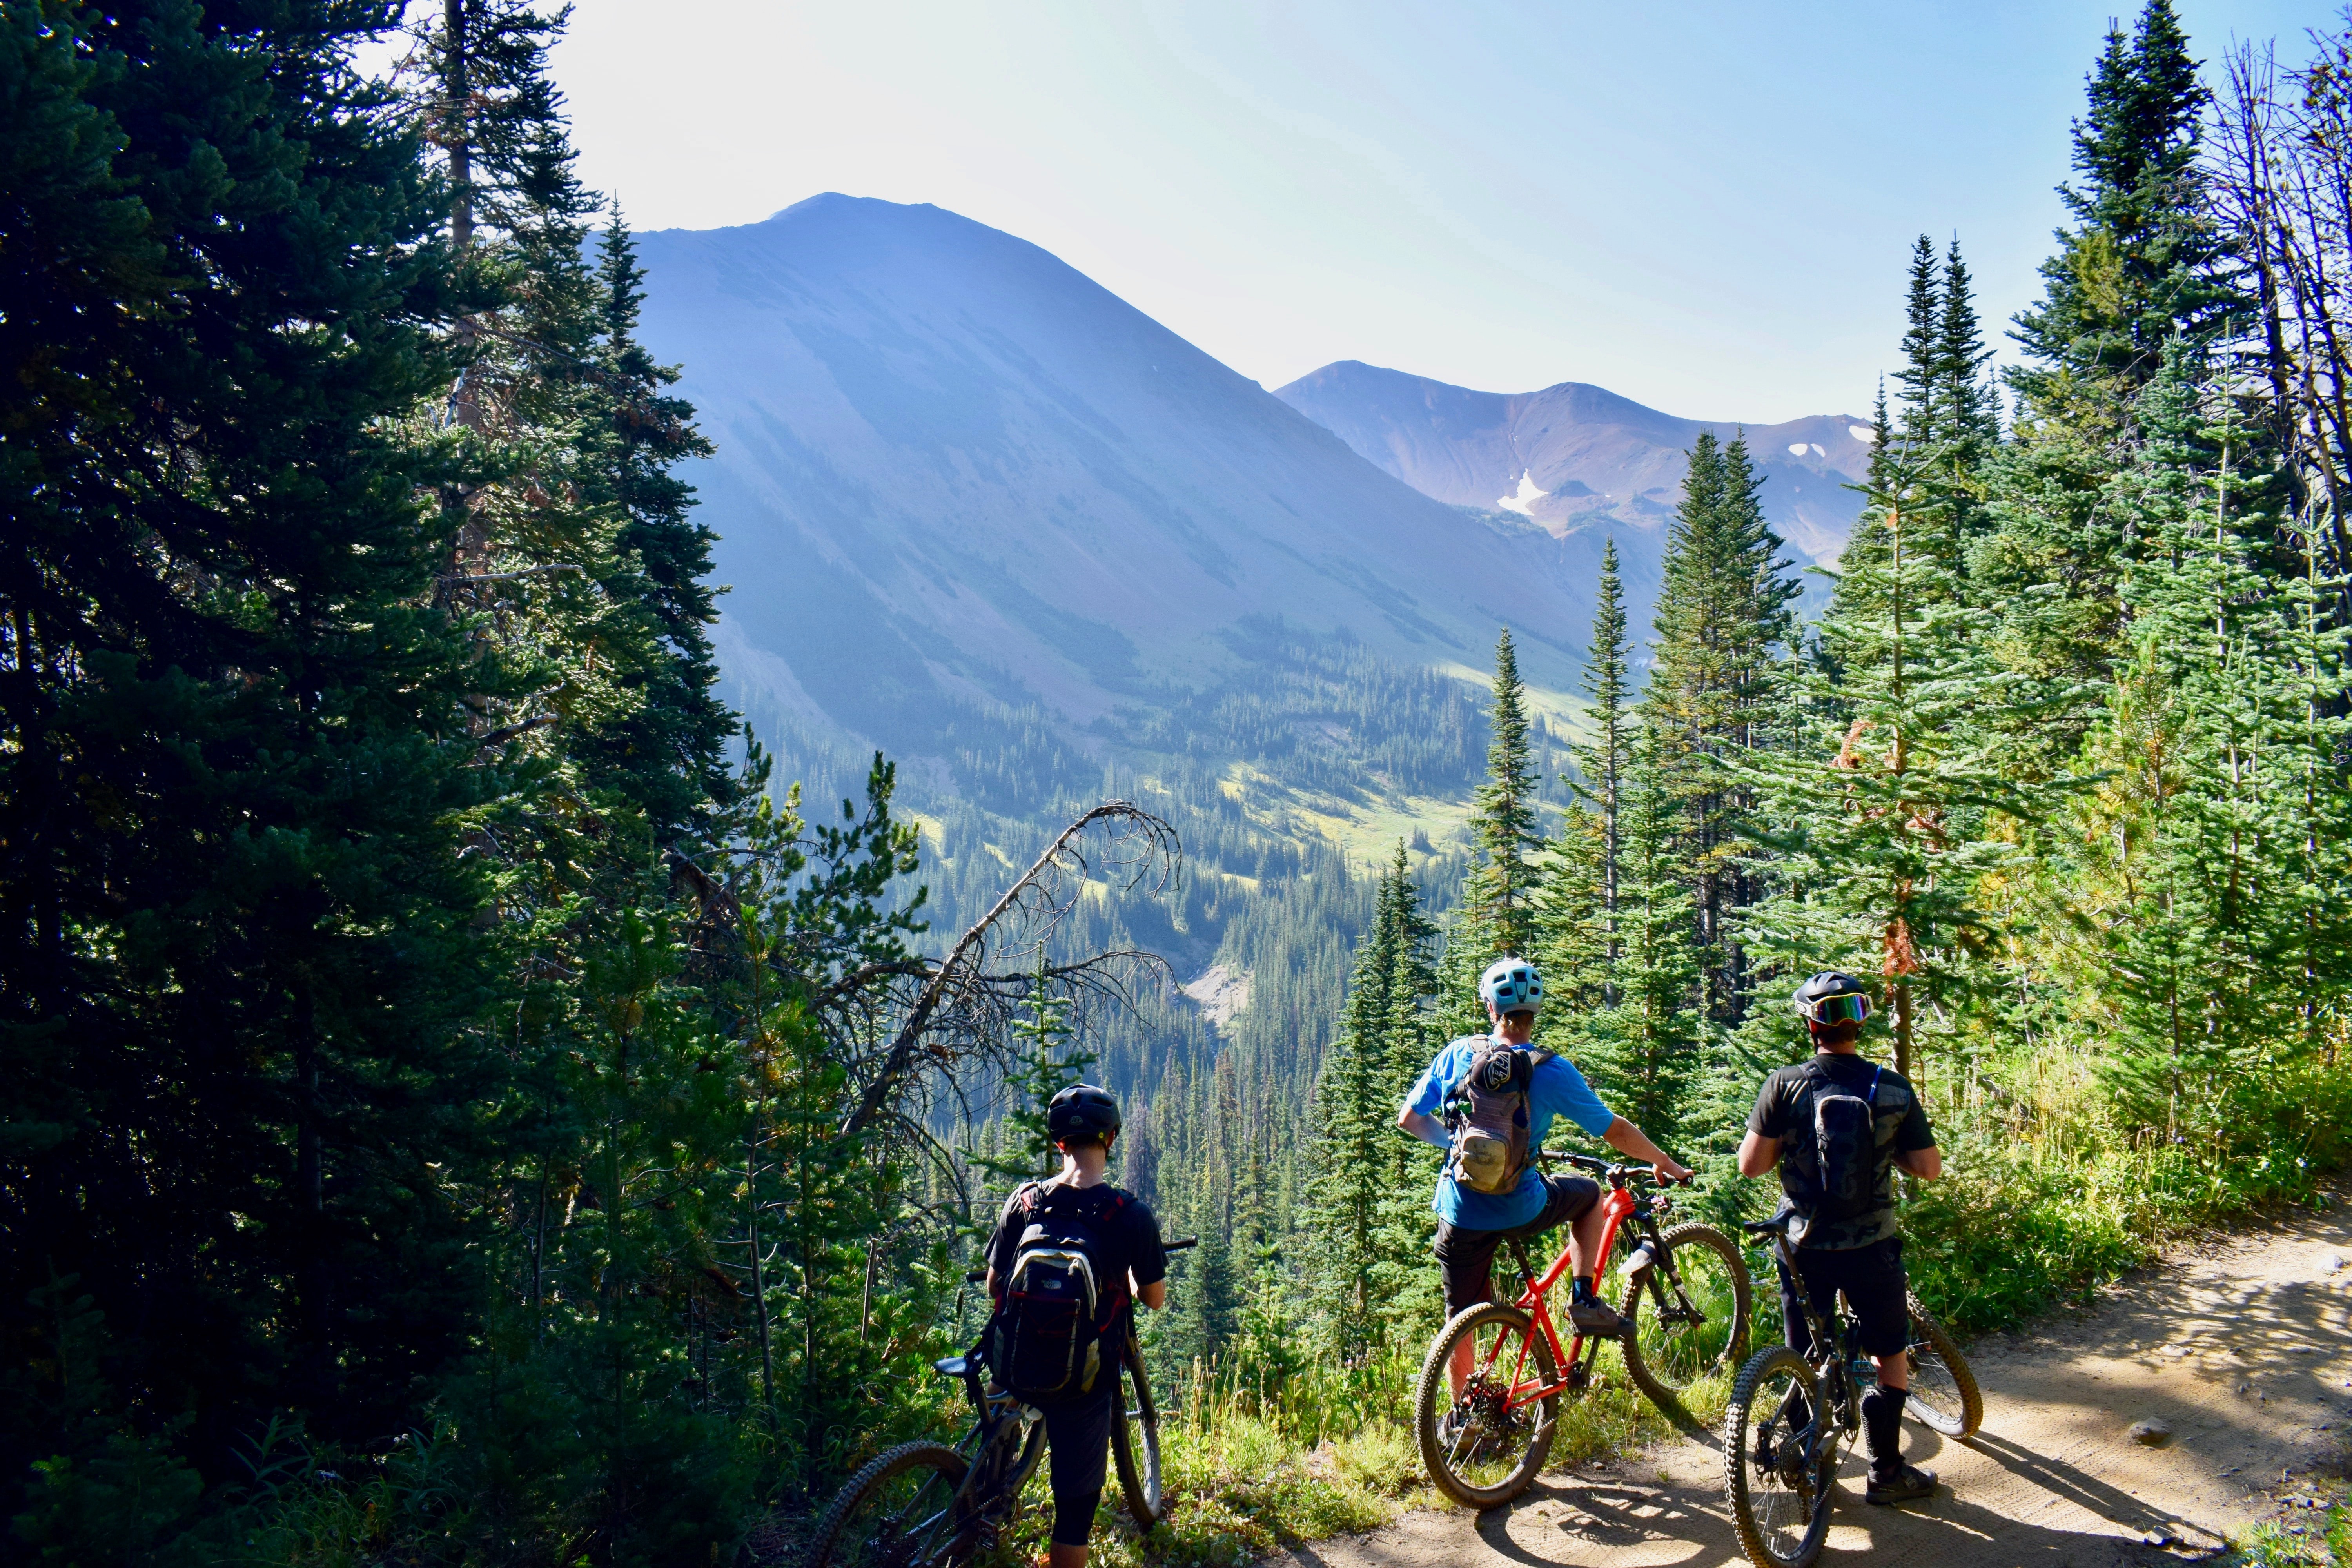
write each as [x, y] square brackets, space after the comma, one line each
[1618, 1205]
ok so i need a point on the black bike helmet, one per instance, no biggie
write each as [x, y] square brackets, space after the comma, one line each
[1081, 1110]
[1832, 997]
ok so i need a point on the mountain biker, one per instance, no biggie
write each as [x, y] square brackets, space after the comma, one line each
[1860, 1253]
[1083, 1121]
[1472, 1223]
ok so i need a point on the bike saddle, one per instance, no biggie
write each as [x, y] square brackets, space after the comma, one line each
[951, 1366]
[1777, 1225]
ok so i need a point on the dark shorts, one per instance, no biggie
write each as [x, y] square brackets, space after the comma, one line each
[1467, 1257]
[1872, 1280]
[1077, 1449]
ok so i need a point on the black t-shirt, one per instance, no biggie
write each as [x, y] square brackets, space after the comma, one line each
[1784, 1110]
[1128, 1233]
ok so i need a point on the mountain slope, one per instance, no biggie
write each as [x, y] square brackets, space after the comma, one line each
[1576, 457]
[953, 471]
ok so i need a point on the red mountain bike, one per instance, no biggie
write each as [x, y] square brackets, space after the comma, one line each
[1489, 1395]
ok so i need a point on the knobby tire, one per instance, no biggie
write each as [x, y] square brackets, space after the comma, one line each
[918, 1534]
[1433, 1398]
[1765, 1505]
[1135, 1449]
[1944, 1394]
[1668, 1372]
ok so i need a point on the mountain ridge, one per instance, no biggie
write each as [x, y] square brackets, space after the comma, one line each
[953, 471]
[1574, 457]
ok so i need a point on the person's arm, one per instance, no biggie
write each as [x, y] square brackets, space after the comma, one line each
[1760, 1150]
[1428, 1129]
[1415, 1115]
[1758, 1154]
[1925, 1163]
[1154, 1296]
[1914, 1144]
[1628, 1139]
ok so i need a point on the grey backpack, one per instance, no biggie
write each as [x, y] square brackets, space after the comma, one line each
[1487, 1108]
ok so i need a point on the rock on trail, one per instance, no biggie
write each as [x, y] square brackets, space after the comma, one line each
[2242, 1353]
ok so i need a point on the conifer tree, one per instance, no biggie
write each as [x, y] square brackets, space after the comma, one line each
[1722, 612]
[1881, 826]
[241, 994]
[1499, 901]
[1604, 762]
[1642, 1053]
[2136, 267]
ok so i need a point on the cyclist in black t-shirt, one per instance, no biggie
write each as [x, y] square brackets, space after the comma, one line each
[1083, 1121]
[1861, 1255]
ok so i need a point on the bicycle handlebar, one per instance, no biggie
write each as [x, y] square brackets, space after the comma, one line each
[1613, 1172]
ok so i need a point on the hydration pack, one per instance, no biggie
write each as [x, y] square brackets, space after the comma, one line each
[1060, 1302]
[1845, 1148]
[1487, 1108]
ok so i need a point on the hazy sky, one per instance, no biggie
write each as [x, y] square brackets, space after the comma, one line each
[1707, 207]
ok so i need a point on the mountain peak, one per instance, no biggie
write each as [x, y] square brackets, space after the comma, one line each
[1574, 457]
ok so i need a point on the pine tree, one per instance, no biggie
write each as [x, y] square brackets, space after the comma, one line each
[2135, 268]
[1604, 762]
[1499, 900]
[1046, 1062]
[1642, 1053]
[242, 998]
[1722, 612]
[1883, 828]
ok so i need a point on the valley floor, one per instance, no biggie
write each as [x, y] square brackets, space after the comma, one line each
[2243, 1349]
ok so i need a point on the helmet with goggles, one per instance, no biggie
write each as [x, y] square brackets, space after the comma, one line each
[1512, 985]
[1832, 997]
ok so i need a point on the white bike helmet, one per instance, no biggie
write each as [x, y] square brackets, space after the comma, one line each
[1512, 985]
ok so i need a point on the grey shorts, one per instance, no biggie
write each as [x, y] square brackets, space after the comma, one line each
[1467, 1257]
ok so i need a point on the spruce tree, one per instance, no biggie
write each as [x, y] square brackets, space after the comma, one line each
[1498, 903]
[2136, 265]
[1603, 763]
[1723, 613]
[1642, 1052]
[243, 998]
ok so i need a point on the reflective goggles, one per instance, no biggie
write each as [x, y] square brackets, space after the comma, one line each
[1851, 1008]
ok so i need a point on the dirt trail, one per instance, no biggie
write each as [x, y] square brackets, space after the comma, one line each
[2244, 1351]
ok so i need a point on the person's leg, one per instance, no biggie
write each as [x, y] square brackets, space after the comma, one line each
[1875, 1288]
[1575, 1202]
[1466, 1260]
[1077, 1438]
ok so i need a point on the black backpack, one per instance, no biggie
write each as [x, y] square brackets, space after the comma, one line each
[1845, 1148]
[1060, 1299]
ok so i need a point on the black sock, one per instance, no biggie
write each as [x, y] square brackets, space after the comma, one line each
[1882, 1420]
[1581, 1290]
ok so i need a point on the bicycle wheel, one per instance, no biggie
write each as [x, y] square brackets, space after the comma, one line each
[898, 1512]
[1944, 1394]
[1135, 1450]
[1777, 1462]
[1692, 1324]
[1484, 1444]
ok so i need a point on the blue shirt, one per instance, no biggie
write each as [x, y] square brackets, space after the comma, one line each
[1557, 1089]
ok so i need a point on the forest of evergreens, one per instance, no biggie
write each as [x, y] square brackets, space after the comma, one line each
[463, 1105]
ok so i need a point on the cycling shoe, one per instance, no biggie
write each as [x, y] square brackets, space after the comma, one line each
[1597, 1318]
[1911, 1484]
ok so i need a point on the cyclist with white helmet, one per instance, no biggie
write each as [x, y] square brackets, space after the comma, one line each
[1488, 1100]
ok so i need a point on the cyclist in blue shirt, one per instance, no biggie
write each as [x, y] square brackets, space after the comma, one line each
[1470, 1224]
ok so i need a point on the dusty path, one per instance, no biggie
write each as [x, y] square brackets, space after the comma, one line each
[2245, 1352]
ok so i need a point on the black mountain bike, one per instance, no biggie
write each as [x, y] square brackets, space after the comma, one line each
[1790, 1420]
[927, 1505]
